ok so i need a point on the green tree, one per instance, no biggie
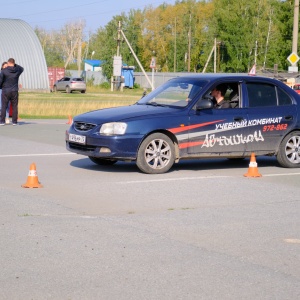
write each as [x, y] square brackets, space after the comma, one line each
[282, 44]
[51, 47]
[250, 31]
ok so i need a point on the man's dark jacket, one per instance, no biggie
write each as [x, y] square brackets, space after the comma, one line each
[9, 78]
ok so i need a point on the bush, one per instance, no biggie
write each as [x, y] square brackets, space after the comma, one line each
[136, 86]
[104, 85]
[90, 81]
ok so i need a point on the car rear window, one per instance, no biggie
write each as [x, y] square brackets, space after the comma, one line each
[261, 94]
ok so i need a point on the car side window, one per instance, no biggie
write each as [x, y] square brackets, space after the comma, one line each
[261, 95]
[283, 98]
[67, 79]
[231, 94]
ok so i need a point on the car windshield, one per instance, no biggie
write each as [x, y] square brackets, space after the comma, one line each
[176, 92]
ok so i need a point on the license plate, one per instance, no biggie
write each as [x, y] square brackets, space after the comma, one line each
[80, 139]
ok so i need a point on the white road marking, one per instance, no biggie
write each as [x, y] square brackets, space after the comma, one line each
[286, 174]
[172, 179]
[292, 241]
[197, 178]
[37, 154]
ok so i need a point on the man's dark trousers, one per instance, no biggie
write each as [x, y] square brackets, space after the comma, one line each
[13, 98]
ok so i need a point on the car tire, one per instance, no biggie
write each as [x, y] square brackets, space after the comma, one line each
[83, 91]
[102, 161]
[156, 154]
[68, 90]
[289, 151]
[55, 89]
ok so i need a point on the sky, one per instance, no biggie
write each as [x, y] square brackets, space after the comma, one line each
[54, 14]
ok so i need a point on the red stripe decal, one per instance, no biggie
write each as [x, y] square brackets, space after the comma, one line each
[190, 144]
[185, 128]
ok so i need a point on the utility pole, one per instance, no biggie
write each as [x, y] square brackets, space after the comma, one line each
[117, 64]
[293, 58]
[295, 30]
[175, 50]
[119, 39]
[137, 60]
[255, 53]
[189, 46]
[215, 55]
[79, 52]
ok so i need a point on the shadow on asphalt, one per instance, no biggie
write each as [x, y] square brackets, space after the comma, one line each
[188, 165]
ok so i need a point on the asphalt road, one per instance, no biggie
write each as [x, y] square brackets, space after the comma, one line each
[201, 231]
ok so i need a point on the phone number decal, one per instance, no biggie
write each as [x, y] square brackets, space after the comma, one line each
[275, 127]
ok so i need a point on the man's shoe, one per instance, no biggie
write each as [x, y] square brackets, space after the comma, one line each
[15, 124]
[7, 121]
[2, 124]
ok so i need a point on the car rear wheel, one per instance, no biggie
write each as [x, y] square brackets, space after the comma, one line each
[156, 154]
[83, 91]
[68, 90]
[289, 151]
[102, 161]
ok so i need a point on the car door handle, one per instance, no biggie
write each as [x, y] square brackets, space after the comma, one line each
[288, 118]
[238, 119]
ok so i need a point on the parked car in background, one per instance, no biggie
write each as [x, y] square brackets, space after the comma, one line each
[297, 88]
[70, 84]
[179, 120]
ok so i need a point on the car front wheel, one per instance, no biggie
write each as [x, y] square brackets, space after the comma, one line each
[55, 89]
[156, 154]
[289, 151]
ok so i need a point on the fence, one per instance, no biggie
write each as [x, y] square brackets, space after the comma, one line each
[159, 78]
[95, 78]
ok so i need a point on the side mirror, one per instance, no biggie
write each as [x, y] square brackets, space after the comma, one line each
[204, 104]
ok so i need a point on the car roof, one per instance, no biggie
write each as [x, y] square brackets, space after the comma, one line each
[233, 76]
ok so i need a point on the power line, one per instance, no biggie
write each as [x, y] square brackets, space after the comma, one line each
[61, 9]
[80, 17]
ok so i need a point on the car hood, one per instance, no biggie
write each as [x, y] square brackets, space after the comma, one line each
[123, 113]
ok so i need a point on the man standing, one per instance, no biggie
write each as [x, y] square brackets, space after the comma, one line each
[9, 82]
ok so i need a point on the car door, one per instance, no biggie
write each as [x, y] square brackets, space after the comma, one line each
[59, 84]
[63, 83]
[271, 114]
[218, 132]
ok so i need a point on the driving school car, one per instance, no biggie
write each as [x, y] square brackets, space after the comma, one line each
[178, 120]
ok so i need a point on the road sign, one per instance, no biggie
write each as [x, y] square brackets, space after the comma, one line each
[293, 58]
[153, 63]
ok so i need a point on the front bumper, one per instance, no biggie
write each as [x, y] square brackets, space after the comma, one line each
[117, 147]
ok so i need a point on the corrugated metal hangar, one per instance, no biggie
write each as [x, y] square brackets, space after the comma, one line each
[19, 41]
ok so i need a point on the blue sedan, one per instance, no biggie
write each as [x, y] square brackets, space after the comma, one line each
[184, 118]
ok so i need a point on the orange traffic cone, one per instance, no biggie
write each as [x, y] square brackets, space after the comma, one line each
[70, 121]
[252, 170]
[32, 179]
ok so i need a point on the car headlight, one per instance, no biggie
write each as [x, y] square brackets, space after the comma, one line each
[114, 128]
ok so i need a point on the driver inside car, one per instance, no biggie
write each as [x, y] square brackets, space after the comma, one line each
[219, 93]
